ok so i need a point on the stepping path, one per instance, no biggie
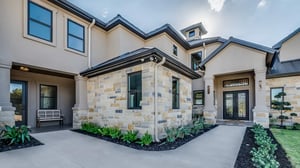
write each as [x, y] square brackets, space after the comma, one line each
[217, 148]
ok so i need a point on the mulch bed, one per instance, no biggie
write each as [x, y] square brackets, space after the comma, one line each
[161, 146]
[4, 147]
[244, 157]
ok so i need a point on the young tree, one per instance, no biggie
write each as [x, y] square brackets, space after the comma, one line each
[281, 105]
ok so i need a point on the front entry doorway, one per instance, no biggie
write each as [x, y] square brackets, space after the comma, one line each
[236, 105]
[18, 98]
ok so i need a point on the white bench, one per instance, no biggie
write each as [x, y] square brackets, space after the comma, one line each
[49, 115]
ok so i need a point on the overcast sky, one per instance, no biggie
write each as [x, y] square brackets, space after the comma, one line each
[261, 21]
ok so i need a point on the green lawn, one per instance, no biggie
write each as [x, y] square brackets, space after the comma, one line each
[290, 141]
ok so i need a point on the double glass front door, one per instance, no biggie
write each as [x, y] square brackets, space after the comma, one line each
[236, 105]
[18, 98]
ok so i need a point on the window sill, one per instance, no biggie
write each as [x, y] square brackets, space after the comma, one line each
[29, 37]
[76, 52]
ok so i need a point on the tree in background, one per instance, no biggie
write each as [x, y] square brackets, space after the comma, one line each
[281, 105]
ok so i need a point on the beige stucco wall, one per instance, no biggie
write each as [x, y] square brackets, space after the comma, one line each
[219, 89]
[290, 49]
[107, 100]
[65, 94]
[291, 87]
[235, 58]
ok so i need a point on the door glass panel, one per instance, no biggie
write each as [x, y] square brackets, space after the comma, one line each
[242, 105]
[17, 98]
[229, 104]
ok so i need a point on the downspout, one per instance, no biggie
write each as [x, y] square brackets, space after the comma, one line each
[155, 99]
[89, 36]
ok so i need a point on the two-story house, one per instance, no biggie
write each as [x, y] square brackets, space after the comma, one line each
[54, 55]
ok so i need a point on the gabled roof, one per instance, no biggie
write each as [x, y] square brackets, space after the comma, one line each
[194, 26]
[119, 20]
[278, 45]
[240, 42]
[136, 57]
[282, 69]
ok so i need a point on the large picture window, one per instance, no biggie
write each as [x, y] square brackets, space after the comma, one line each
[75, 36]
[134, 90]
[274, 92]
[175, 93]
[39, 22]
[198, 97]
[48, 97]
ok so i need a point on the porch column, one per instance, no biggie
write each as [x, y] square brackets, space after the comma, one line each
[260, 111]
[80, 109]
[6, 109]
[209, 111]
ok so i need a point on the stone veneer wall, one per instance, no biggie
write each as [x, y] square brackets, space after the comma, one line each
[107, 100]
[291, 87]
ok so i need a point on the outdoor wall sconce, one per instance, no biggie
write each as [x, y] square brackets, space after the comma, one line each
[208, 89]
[259, 84]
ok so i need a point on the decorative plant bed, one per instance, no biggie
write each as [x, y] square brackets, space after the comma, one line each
[244, 156]
[5, 147]
[161, 146]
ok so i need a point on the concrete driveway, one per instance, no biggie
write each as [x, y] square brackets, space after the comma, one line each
[217, 148]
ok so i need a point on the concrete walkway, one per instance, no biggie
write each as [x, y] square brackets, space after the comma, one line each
[217, 148]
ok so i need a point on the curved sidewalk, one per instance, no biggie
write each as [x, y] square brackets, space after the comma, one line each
[217, 148]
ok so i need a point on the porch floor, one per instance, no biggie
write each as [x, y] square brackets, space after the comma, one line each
[50, 128]
[235, 122]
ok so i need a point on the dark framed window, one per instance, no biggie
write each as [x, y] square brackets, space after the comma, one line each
[192, 33]
[134, 90]
[175, 50]
[75, 35]
[48, 97]
[236, 82]
[175, 93]
[198, 97]
[39, 21]
[273, 92]
[196, 59]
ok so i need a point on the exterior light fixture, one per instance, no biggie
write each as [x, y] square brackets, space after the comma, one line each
[26, 69]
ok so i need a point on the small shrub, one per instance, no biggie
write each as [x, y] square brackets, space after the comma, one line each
[293, 115]
[130, 136]
[145, 140]
[198, 126]
[104, 131]
[283, 117]
[172, 134]
[297, 126]
[90, 127]
[16, 135]
[184, 131]
[115, 133]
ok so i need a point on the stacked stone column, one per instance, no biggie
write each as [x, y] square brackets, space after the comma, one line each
[6, 109]
[209, 111]
[80, 109]
[260, 111]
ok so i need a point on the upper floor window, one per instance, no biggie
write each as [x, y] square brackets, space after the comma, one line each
[175, 93]
[196, 59]
[134, 90]
[39, 22]
[192, 33]
[48, 97]
[175, 50]
[75, 36]
[198, 97]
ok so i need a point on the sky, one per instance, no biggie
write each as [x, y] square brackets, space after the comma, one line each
[260, 21]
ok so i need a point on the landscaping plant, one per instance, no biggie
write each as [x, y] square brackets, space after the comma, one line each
[264, 155]
[115, 133]
[16, 135]
[198, 125]
[172, 134]
[90, 127]
[104, 131]
[130, 136]
[145, 140]
[281, 105]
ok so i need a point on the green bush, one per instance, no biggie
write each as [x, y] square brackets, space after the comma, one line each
[293, 115]
[130, 136]
[297, 126]
[104, 131]
[16, 135]
[198, 126]
[264, 155]
[90, 127]
[115, 133]
[172, 134]
[283, 117]
[184, 131]
[146, 139]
